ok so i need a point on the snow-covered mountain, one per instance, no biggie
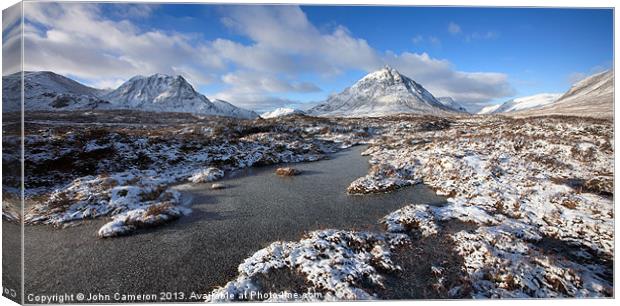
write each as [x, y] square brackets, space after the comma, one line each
[489, 109]
[164, 93]
[521, 104]
[47, 91]
[382, 92]
[229, 110]
[281, 111]
[593, 96]
[449, 102]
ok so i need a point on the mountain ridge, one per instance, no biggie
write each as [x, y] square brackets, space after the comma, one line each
[281, 111]
[521, 103]
[590, 97]
[48, 91]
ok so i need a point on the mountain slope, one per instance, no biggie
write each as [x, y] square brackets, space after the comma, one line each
[45, 91]
[229, 110]
[449, 102]
[591, 97]
[489, 109]
[522, 103]
[281, 111]
[382, 92]
[164, 93]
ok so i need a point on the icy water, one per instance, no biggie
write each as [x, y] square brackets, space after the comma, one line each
[202, 250]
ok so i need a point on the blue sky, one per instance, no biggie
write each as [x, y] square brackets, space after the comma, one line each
[262, 57]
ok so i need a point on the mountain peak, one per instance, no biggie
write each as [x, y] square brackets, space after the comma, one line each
[170, 93]
[159, 77]
[389, 69]
[383, 92]
[387, 73]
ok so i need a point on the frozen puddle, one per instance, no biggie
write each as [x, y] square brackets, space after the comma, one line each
[286, 207]
[203, 250]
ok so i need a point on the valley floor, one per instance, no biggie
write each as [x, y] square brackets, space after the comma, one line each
[528, 207]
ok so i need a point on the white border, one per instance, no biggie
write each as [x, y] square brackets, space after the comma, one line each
[496, 3]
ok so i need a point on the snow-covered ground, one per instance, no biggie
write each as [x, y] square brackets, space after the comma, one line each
[523, 182]
[536, 193]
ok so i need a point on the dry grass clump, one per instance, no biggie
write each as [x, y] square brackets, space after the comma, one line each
[153, 195]
[601, 186]
[158, 209]
[569, 203]
[287, 171]
[60, 201]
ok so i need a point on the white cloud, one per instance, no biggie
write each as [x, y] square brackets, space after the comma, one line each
[283, 37]
[256, 101]
[73, 38]
[132, 10]
[252, 89]
[107, 83]
[245, 81]
[417, 39]
[11, 35]
[441, 79]
[77, 39]
[454, 28]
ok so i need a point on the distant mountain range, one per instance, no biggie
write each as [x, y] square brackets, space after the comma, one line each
[281, 111]
[385, 92]
[47, 91]
[592, 97]
[520, 104]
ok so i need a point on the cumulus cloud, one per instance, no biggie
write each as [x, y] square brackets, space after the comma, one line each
[259, 102]
[11, 40]
[442, 79]
[132, 10]
[247, 81]
[282, 45]
[283, 36]
[74, 39]
[255, 90]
